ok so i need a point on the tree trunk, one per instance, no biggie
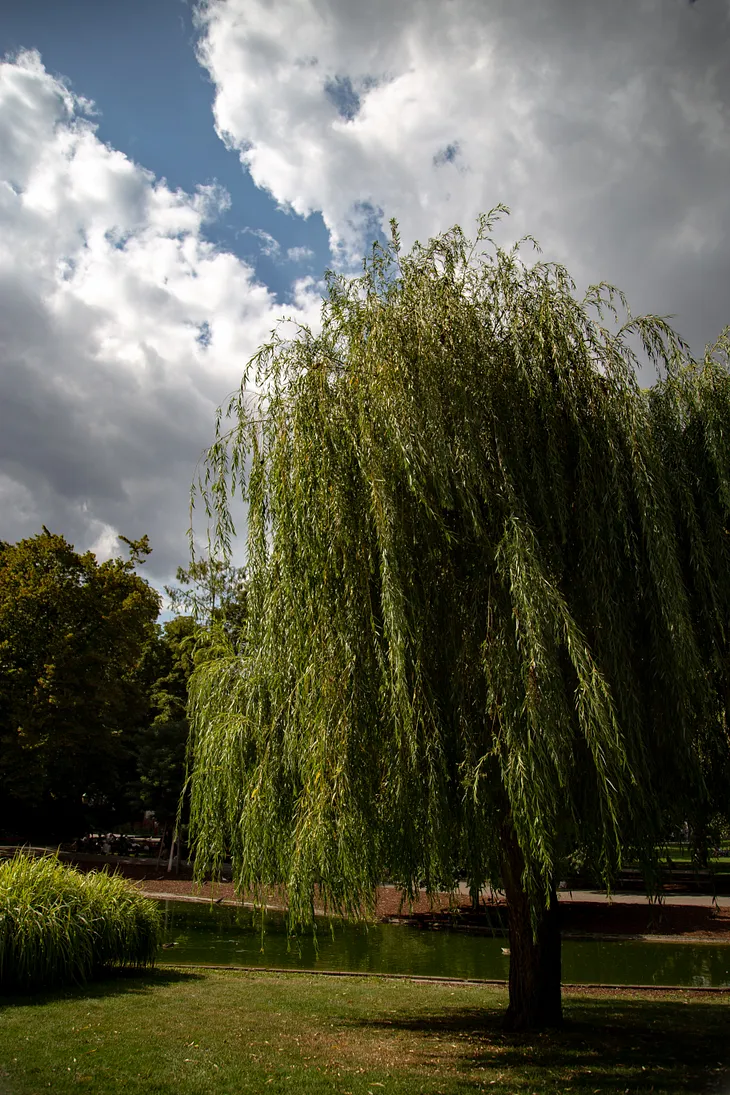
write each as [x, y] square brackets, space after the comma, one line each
[534, 965]
[172, 851]
[161, 848]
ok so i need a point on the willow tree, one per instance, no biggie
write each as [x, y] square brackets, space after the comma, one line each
[477, 634]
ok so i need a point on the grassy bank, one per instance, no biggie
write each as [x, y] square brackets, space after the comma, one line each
[190, 1033]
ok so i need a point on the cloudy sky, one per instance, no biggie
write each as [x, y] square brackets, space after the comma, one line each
[174, 179]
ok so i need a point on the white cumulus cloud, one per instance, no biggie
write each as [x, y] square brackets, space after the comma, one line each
[121, 328]
[606, 127]
[299, 254]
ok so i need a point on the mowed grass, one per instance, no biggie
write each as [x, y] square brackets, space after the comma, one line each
[183, 1032]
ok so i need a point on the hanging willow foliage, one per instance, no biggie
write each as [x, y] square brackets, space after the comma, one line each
[488, 583]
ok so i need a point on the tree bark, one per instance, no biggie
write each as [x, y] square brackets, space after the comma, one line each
[161, 848]
[535, 965]
[172, 850]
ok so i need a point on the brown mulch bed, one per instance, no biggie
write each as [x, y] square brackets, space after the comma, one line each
[389, 903]
[589, 918]
[701, 921]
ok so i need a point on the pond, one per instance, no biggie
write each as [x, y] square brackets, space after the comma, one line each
[226, 935]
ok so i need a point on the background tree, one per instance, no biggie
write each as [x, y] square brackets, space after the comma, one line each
[72, 633]
[481, 632]
[161, 746]
[690, 412]
[212, 591]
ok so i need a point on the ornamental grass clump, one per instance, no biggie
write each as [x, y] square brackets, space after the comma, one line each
[59, 926]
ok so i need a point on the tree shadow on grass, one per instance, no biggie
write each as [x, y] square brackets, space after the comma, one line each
[120, 982]
[606, 1046]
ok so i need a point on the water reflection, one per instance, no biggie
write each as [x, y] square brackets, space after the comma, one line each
[228, 935]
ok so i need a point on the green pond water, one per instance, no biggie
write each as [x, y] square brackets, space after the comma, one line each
[226, 935]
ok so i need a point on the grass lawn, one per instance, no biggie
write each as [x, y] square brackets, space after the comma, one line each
[682, 857]
[201, 1032]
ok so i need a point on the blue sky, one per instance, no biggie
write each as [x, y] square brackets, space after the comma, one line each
[136, 60]
[148, 246]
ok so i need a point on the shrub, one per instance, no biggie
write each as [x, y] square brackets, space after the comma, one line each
[59, 926]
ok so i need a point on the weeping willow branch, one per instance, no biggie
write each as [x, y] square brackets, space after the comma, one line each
[488, 582]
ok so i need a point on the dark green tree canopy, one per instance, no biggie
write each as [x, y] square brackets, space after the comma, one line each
[161, 746]
[488, 583]
[72, 635]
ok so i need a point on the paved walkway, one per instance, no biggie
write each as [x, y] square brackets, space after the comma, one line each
[630, 897]
[639, 898]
